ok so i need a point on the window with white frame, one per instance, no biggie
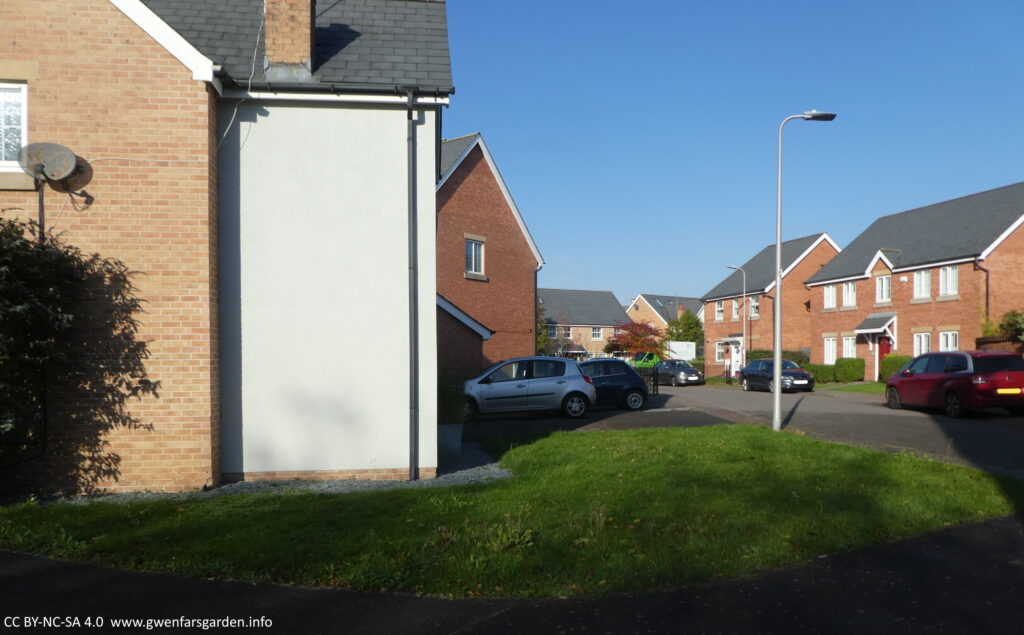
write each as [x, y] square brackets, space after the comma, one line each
[755, 306]
[474, 256]
[595, 333]
[13, 124]
[719, 351]
[719, 310]
[949, 283]
[735, 309]
[830, 296]
[883, 289]
[850, 346]
[922, 343]
[567, 332]
[830, 350]
[849, 294]
[552, 331]
[949, 340]
[922, 284]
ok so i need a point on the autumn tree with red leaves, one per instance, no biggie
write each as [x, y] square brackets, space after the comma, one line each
[637, 337]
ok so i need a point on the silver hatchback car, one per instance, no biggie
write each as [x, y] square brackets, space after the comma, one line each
[531, 383]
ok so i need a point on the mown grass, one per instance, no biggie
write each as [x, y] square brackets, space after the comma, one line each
[587, 513]
[870, 388]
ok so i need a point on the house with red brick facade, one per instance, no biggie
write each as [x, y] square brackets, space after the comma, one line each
[580, 323]
[487, 262]
[738, 299]
[257, 165]
[658, 310]
[921, 280]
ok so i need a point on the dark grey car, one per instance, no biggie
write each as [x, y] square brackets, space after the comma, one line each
[616, 383]
[678, 373]
[758, 375]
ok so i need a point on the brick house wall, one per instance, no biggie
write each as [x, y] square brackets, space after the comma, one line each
[471, 204]
[796, 318]
[462, 355]
[642, 313]
[148, 131]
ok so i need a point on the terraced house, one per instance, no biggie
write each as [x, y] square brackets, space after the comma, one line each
[580, 323]
[921, 280]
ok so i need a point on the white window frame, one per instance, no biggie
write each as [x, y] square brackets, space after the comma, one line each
[735, 309]
[922, 284]
[849, 346]
[754, 306]
[949, 340]
[552, 331]
[850, 294]
[567, 332]
[883, 289]
[475, 256]
[949, 281]
[922, 343]
[830, 350]
[829, 297]
[720, 351]
[11, 164]
[719, 310]
[596, 333]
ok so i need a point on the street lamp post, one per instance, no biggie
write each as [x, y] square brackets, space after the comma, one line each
[745, 315]
[810, 115]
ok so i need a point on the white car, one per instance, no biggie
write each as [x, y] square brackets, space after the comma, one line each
[531, 383]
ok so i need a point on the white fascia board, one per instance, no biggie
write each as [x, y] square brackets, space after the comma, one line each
[823, 238]
[633, 303]
[931, 265]
[998, 241]
[871, 265]
[504, 191]
[153, 25]
[835, 281]
[647, 302]
[352, 98]
[464, 317]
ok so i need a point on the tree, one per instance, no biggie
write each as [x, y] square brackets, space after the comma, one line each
[686, 328]
[1012, 326]
[637, 337]
[543, 339]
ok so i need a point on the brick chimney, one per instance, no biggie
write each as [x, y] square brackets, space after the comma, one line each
[289, 39]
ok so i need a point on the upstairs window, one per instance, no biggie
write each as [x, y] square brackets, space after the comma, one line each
[595, 333]
[849, 294]
[474, 257]
[735, 309]
[755, 306]
[830, 296]
[922, 284]
[883, 289]
[719, 310]
[13, 124]
[949, 283]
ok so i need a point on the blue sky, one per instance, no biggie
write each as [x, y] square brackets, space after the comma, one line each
[639, 139]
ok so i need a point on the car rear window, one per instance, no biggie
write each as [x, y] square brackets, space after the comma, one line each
[998, 364]
[545, 368]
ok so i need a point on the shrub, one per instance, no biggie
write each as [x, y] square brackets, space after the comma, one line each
[799, 357]
[698, 363]
[823, 373]
[849, 369]
[1012, 326]
[891, 364]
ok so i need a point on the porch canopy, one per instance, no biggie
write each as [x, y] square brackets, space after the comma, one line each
[876, 323]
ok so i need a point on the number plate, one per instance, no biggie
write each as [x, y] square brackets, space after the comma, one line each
[799, 381]
[1007, 391]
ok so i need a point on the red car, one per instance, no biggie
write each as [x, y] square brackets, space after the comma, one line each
[959, 381]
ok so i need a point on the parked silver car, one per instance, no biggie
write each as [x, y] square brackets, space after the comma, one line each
[531, 383]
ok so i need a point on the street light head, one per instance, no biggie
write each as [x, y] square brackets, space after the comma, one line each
[814, 115]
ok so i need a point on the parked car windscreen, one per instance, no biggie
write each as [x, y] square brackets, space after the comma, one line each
[998, 364]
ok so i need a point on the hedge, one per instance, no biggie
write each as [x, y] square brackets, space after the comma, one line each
[698, 363]
[849, 369]
[823, 373]
[893, 363]
[799, 357]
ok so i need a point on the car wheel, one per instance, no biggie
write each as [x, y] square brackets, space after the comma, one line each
[954, 406]
[634, 400]
[469, 410]
[745, 384]
[892, 399]
[674, 381]
[574, 405]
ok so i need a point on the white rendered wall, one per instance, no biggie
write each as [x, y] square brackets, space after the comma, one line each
[313, 265]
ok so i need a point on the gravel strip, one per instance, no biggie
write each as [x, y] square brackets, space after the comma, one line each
[474, 466]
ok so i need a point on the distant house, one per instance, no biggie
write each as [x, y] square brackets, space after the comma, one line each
[487, 262]
[729, 303]
[580, 323]
[659, 310]
[921, 280]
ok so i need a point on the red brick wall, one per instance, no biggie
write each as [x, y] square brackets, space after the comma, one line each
[122, 103]
[461, 354]
[471, 202]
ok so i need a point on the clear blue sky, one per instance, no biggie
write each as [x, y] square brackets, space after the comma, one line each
[638, 139]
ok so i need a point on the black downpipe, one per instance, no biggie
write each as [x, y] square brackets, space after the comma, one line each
[414, 340]
[977, 266]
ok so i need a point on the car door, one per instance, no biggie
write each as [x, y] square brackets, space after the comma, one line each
[547, 384]
[600, 375]
[615, 382]
[759, 375]
[506, 388]
[911, 382]
[932, 382]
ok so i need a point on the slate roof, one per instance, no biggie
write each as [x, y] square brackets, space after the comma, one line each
[875, 322]
[761, 269]
[360, 44]
[452, 149]
[957, 229]
[593, 308]
[667, 305]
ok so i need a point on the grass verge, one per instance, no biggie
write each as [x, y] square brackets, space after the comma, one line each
[587, 513]
[869, 388]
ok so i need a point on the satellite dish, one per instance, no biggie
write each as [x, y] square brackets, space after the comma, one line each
[47, 160]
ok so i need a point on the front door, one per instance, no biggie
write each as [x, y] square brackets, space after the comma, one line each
[884, 349]
[735, 359]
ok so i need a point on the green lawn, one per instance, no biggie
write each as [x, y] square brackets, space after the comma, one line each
[587, 513]
[870, 388]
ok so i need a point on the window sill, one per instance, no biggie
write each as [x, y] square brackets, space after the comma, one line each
[829, 310]
[947, 298]
[880, 305]
[921, 301]
[849, 308]
[475, 276]
[16, 181]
